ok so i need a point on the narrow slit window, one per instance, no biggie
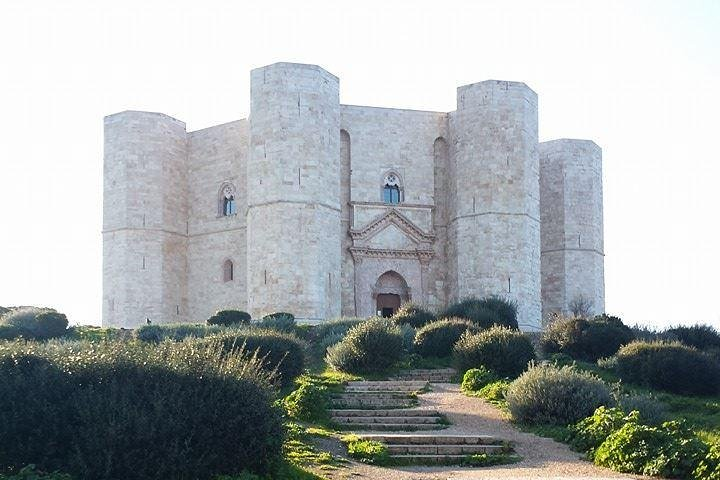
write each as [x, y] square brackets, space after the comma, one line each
[228, 271]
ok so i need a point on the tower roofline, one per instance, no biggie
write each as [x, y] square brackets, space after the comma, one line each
[308, 66]
[126, 112]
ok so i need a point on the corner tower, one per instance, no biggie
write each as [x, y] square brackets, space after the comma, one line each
[144, 220]
[293, 192]
[571, 202]
[494, 230]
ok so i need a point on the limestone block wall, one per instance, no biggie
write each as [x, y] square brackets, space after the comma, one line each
[144, 219]
[495, 222]
[293, 185]
[571, 199]
[386, 140]
[216, 156]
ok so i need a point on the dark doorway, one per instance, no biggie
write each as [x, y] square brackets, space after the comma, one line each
[387, 304]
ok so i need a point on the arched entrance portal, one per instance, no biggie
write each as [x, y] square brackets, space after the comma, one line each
[389, 292]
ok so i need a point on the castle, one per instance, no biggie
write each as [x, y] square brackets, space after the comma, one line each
[322, 209]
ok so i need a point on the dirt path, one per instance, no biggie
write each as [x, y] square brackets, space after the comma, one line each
[542, 457]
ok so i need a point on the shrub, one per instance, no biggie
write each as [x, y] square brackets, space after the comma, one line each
[670, 450]
[589, 433]
[546, 394]
[651, 410]
[227, 318]
[9, 332]
[476, 378]
[408, 337]
[672, 367]
[413, 314]
[436, 339]
[278, 351]
[485, 312]
[372, 346]
[585, 339]
[495, 392]
[281, 321]
[308, 402]
[336, 327]
[37, 323]
[702, 337]
[30, 473]
[135, 410]
[501, 350]
[709, 467]
[174, 331]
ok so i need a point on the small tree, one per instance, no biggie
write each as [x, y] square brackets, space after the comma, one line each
[580, 306]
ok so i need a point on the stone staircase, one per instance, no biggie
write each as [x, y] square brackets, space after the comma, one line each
[435, 375]
[372, 406]
[436, 448]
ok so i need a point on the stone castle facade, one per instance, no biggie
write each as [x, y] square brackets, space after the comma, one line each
[322, 209]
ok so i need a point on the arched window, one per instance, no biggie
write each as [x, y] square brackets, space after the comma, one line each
[226, 203]
[228, 271]
[392, 190]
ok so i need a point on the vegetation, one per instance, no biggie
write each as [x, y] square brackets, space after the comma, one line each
[370, 347]
[229, 318]
[586, 339]
[278, 352]
[436, 339]
[414, 315]
[702, 337]
[546, 394]
[476, 378]
[501, 350]
[280, 321]
[367, 451]
[33, 323]
[175, 331]
[485, 312]
[671, 367]
[124, 410]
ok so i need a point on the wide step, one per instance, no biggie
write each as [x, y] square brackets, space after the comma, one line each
[412, 439]
[440, 375]
[397, 412]
[395, 420]
[443, 449]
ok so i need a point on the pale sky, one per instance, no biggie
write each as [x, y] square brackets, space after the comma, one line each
[640, 78]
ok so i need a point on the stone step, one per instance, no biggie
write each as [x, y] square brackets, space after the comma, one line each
[429, 459]
[413, 439]
[399, 386]
[396, 412]
[443, 449]
[386, 419]
[378, 404]
[430, 375]
[373, 395]
[394, 427]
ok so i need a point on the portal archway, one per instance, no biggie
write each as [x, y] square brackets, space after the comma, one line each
[390, 291]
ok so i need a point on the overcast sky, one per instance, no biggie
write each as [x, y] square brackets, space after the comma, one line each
[641, 78]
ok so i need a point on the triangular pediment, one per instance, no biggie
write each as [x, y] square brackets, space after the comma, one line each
[392, 227]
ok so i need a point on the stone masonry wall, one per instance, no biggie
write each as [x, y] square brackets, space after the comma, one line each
[144, 219]
[216, 156]
[293, 184]
[495, 227]
[571, 200]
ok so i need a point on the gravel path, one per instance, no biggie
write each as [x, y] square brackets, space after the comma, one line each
[542, 457]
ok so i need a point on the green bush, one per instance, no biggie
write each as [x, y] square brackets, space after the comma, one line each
[308, 402]
[175, 331]
[476, 378]
[338, 326]
[135, 411]
[436, 339]
[589, 433]
[702, 337]
[709, 467]
[485, 312]
[9, 332]
[670, 450]
[585, 339]
[30, 473]
[494, 392]
[651, 410]
[413, 314]
[228, 318]
[368, 451]
[672, 367]
[36, 323]
[501, 350]
[280, 321]
[371, 347]
[408, 337]
[278, 351]
[546, 394]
